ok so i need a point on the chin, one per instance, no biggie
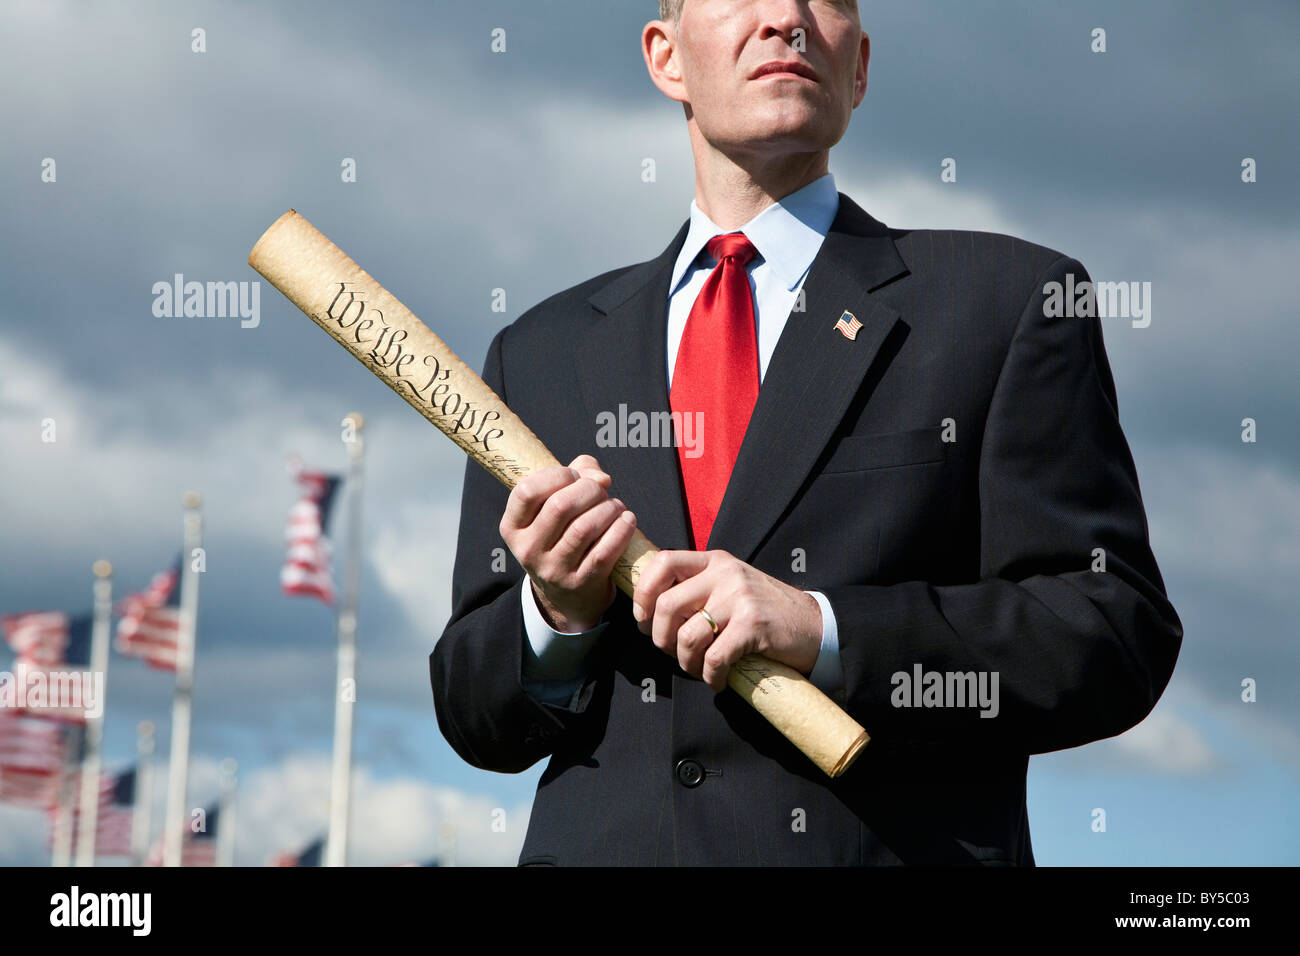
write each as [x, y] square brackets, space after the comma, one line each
[808, 136]
[793, 117]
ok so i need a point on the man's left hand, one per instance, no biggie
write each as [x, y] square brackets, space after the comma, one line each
[755, 614]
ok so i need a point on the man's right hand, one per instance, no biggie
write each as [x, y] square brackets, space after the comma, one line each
[567, 532]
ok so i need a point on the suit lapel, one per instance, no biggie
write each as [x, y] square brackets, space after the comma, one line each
[812, 377]
[623, 362]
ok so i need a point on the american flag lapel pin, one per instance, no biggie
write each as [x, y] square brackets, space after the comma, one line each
[848, 326]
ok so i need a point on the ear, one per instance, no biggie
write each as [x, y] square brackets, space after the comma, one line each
[860, 80]
[659, 47]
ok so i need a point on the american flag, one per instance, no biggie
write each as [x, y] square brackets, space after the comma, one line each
[311, 856]
[848, 326]
[198, 849]
[113, 821]
[37, 636]
[150, 623]
[306, 568]
[52, 645]
[31, 760]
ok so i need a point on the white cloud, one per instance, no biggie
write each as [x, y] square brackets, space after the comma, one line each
[906, 200]
[1226, 516]
[106, 452]
[413, 549]
[284, 807]
[1165, 743]
[394, 820]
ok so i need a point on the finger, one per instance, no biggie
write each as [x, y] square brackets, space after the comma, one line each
[600, 560]
[694, 640]
[527, 498]
[722, 655]
[665, 569]
[674, 608]
[583, 532]
[562, 508]
[588, 467]
[680, 605]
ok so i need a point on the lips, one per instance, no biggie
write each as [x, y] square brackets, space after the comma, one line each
[785, 66]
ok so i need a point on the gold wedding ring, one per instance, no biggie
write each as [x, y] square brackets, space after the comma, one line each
[712, 623]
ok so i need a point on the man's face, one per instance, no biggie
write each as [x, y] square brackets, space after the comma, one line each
[771, 74]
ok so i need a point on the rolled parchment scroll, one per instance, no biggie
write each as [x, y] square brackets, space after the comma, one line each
[381, 333]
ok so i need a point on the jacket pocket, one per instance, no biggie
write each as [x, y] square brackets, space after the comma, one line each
[538, 860]
[917, 446]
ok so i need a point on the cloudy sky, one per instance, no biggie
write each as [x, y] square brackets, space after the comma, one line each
[521, 170]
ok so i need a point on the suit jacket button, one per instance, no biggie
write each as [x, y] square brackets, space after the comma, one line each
[690, 773]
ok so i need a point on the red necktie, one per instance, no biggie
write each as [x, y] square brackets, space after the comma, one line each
[715, 380]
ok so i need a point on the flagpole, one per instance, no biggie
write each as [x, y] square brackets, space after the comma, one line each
[448, 856]
[62, 856]
[89, 819]
[336, 845]
[178, 767]
[143, 792]
[226, 815]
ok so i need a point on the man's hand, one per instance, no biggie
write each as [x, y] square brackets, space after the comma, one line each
[567, 533]
[755, 613]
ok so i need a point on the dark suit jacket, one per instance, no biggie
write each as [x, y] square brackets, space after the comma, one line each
[968, 556]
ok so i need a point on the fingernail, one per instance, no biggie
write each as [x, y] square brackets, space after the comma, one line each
[637, 612]
[628, 517]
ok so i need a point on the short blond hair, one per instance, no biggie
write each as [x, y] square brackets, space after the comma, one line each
[670, 9]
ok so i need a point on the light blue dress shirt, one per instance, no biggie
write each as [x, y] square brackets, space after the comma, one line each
[787, 236]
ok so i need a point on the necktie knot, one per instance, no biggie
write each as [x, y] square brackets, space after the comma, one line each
[733, 245]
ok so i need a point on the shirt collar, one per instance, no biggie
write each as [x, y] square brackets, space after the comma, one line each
[787, 234]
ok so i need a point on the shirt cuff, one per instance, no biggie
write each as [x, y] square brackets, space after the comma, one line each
[827, 674]
[553, 661]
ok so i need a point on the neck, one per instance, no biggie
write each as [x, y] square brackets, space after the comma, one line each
[732, 190]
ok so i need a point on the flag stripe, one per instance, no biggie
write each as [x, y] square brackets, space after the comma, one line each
[306, 571]
[150, 624]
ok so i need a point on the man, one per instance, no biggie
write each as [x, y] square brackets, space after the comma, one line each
[907, 480]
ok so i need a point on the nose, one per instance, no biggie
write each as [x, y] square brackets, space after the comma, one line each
[782, 18]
